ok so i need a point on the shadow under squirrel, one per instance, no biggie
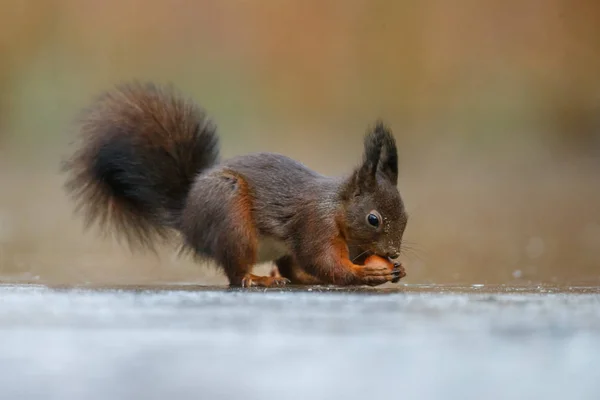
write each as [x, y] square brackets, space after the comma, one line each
[148, 164]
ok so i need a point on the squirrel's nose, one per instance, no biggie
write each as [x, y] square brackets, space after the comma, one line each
[393, 254]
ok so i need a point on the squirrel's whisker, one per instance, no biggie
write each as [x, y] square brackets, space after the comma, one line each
[355, 258]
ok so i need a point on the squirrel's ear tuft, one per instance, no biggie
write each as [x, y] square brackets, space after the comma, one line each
[380, 157]
[388, 161]
[367, 173]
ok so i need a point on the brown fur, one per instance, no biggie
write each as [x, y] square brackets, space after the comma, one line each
[160, 139]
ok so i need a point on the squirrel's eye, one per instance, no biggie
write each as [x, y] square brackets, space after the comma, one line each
[373, 220]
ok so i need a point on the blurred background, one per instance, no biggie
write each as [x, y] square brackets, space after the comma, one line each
[495, 106]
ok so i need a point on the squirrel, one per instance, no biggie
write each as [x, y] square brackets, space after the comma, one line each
[147, 165]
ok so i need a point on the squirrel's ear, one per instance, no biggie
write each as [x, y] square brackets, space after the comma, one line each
[388, 162]
[358, 183]
[364, 178]
[380, 157]
[355, 185]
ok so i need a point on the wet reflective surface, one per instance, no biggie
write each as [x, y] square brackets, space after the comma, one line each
[426, 342]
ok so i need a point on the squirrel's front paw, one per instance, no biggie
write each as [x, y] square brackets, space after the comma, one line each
[378, 270]
[399, 272]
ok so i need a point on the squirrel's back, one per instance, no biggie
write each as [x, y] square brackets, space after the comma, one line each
[140, 148]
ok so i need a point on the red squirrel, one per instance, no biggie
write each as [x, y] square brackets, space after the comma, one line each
[147, 164]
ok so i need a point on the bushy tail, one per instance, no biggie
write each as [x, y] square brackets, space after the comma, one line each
[140, 147]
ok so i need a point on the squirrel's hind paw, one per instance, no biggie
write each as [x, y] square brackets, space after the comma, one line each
[264, 281]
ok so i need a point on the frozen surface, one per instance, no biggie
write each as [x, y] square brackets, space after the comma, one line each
[184, 343]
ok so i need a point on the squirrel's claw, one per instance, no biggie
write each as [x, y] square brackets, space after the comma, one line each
[280, 281]
[399, 272]
[263, 281]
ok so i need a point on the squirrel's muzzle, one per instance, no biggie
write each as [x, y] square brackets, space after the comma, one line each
[393, 254]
